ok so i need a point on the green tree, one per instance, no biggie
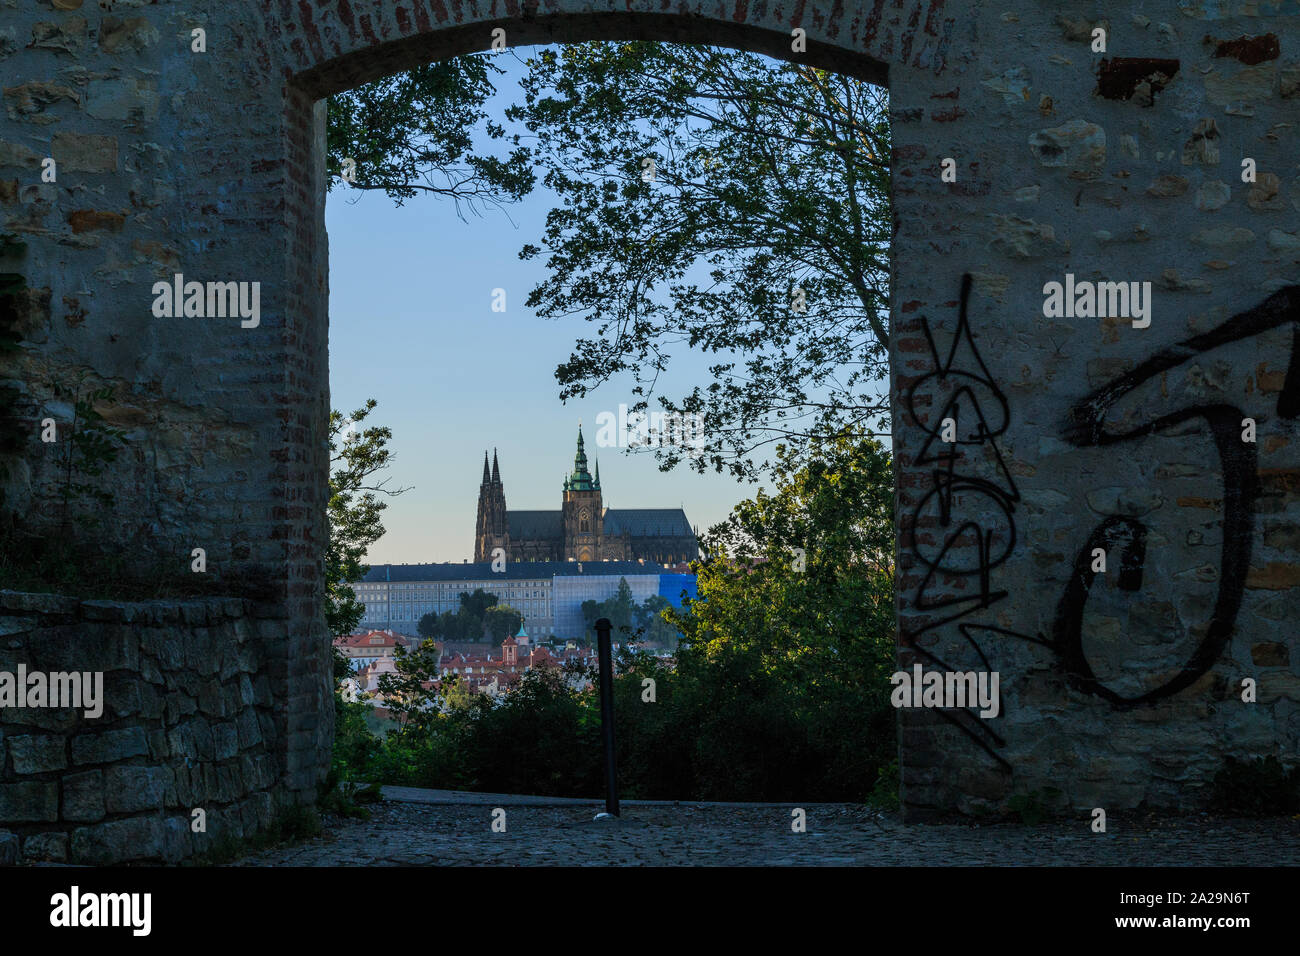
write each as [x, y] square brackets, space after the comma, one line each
[451, 624]
[456, 695]
[475, 605]
[804, 574]
[650, 621]
[769, 193]
[620, 607]
[791, 640]
[762, 236]
[408, 691]
[430, 625]
[354, 510]
[415, 132]
[502, 621]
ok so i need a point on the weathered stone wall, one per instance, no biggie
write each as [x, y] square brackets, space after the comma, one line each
[1124, 687]
[188, 722]
[1121, 166]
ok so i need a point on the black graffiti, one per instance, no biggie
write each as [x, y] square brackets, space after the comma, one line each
[974, 388]
[1085, 427]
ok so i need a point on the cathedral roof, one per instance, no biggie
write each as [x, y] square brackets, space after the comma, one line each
[648, 523]
[535, 525]
[514, 570]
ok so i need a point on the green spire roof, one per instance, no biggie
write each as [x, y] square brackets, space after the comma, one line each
[581, 479]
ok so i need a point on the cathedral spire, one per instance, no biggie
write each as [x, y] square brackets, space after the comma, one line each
[486, 479]
[496, 471]
[581, 479]
[597, 482]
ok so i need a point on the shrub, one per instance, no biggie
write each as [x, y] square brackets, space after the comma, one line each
[1262, 787]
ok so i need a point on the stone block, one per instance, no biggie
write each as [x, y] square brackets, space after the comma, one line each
[250, 733]
[31, 802]
[53, 604]
[83, 796]
[110, 747]
[225, 740]
[85, 152]
[177, 842]
[8, 848]
[134, 788]
[1270, 654]
[132, 35]
[132, 839]
[38, 753]
[49, 847]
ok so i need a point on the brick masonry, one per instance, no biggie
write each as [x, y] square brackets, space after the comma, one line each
[189, 721]
[1122, 166]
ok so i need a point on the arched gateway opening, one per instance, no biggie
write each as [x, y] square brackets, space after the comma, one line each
[336, 50]
[1025, 157]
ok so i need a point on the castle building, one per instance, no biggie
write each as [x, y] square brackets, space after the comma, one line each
[548, 594]
[583, 529]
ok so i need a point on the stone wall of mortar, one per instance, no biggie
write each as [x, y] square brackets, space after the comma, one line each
[169, 161]
[1075, 433]
[1069, 161]
[188, 722]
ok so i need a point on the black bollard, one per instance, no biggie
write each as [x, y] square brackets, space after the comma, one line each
[605, 652]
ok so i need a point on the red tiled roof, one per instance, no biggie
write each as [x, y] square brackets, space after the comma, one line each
[386, 639]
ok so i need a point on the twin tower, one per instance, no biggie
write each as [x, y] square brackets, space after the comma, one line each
[583, 529]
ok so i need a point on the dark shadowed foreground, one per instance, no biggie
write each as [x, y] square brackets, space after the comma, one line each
[563, 833]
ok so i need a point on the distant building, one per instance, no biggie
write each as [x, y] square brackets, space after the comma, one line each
[366, 648]
[571, 590]
[485, 674]
[583, 529]
[549, 594]
[481, 672]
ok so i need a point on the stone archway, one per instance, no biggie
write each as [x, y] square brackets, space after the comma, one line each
[1068, 163]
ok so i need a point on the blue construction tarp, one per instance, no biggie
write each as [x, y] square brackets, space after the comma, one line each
[671, 586]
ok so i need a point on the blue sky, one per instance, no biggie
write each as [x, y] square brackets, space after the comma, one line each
[411, 325]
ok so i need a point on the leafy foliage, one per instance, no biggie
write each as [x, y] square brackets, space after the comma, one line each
[770, 188]
[768, 178]
[780, 692]
[619, 609]
[413, 133]
[90, 446]
[502, 621]
[354, 510]
[479, 614]
[1262, 787]
[645, 622]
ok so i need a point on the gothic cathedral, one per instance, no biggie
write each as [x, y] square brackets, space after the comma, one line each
[583, 529]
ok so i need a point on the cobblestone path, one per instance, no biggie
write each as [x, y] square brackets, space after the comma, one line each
[692, 834]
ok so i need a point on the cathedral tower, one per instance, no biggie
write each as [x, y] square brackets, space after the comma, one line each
[491, 529]
[584, 517]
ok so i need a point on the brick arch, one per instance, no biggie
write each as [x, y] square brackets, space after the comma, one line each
[211, 165]
[328, 47]
[969, 261]
[314, 50]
